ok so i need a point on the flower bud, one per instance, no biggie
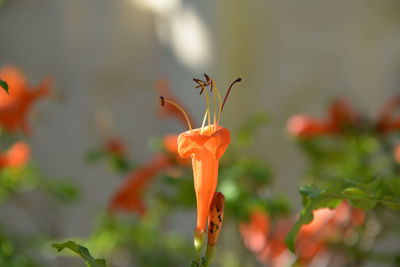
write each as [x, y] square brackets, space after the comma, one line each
[215, 218]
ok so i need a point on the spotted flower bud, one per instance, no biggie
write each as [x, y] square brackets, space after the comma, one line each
[215, 218]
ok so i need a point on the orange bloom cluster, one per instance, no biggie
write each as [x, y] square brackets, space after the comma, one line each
[340, 114]
[129, 195]
[15, 107]
[267, 242]
[16, 156]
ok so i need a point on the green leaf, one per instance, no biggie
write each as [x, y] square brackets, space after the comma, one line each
[306, 216]
[4, 85]
[310, 191]
[391, 202]
[82, 252]
[359, 198]
[394, 185]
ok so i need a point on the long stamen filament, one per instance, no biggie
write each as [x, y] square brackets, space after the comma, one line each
[215, 102]
[204, 121]
[230, 87]
[208, 103]
[162, 102]
[219, 98]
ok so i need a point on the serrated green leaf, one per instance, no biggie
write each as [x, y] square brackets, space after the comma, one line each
[82, 252]
[4, 85]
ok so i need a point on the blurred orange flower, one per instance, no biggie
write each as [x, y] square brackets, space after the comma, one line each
[388, 121]
[115, 146]
[340, 114]
[268, 243]
[305, 126]
[170, 144]
[14, 108]
[16, 156]
[129, 195]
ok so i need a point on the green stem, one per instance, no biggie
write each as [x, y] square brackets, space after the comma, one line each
[210, 251]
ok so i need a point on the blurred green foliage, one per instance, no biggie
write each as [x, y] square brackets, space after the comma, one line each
[3, 84]
[356, 165]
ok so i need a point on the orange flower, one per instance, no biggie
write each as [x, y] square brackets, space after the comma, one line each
[15, 107]
[129, 195]
[18, 155]
[268, 242]
[170, 144]
[115, 146]
[204, 146]
[305, 126]
[255, 232]
[387, 121]
[340, 115]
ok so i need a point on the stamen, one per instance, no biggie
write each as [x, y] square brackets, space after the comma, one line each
[230, 87]
[208, 81]
[162, 103]
[208, 103]
[215, 102]
[219, 99]
[204, 121]
[200, 84]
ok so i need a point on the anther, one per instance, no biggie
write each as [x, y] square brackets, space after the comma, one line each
[162, 103]
[207, 78]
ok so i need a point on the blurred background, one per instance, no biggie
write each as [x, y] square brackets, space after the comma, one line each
[105, 57]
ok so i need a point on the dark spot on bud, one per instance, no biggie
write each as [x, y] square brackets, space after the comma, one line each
[162, 102]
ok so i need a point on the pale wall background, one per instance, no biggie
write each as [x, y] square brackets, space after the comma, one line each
[105, 55]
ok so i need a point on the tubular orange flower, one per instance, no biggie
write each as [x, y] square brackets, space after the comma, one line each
[305, 126]
[204, 146]
[129, 196]
[14, 107]
[340, 114]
